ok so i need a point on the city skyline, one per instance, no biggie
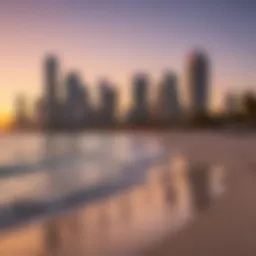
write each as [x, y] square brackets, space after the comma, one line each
[66, 102]
[108, 39]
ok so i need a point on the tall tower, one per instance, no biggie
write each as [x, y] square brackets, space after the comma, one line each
[108, 100]
[86, 105]
[73, 88]
[168, 102]
[39, 112]
[140, 90]
[51, 90]
[231, 105]
[140, 111]
[75, 99]
[198, 82]
[21, 112]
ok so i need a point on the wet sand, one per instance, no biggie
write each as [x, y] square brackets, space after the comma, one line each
[229, 226]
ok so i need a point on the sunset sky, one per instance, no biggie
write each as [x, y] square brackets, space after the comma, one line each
[115, 38]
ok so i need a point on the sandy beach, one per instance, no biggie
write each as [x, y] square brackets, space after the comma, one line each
[229, 226]
[226, 227]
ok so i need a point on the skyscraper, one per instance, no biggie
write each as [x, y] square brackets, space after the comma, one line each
[198, 82]
[40, 112]
[21, 112]
[75, 99]
[231, 105]
[168, 102]
[140, 90]
[140, 111]
[73, 88]
[87, 107]
[51, 90]
[108, 102]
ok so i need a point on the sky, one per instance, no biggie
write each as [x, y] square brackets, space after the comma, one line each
[107, 38]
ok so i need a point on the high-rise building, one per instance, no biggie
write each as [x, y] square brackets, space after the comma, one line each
[75, 99]
[198, 82]
[140, 90]
[108, 102]
[140, 111]
[40, 112]
[21, 112]
[51, 90]
[73, 88]
[87, 107]
[168, 107]
[231, 105]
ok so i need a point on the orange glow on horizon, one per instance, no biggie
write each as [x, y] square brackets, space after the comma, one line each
[6, 121]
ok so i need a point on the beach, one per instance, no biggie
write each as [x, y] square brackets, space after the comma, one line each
[139, 222]
[229, 226]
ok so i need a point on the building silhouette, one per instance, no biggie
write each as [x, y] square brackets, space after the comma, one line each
[140, 110]
[75, 100]
[108, 103]
[168, 107]
[198, 83]
[21, 112]
[87, 107]
[231, 104]
[40, 111]
[51, 74]
[70, 106]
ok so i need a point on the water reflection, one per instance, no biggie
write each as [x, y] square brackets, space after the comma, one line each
[140, 215]
[124, 206]
[52, 237]
[71, 163]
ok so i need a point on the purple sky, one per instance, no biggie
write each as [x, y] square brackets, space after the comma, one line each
[116, 38]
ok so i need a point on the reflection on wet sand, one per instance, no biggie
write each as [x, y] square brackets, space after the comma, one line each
[129, 221]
